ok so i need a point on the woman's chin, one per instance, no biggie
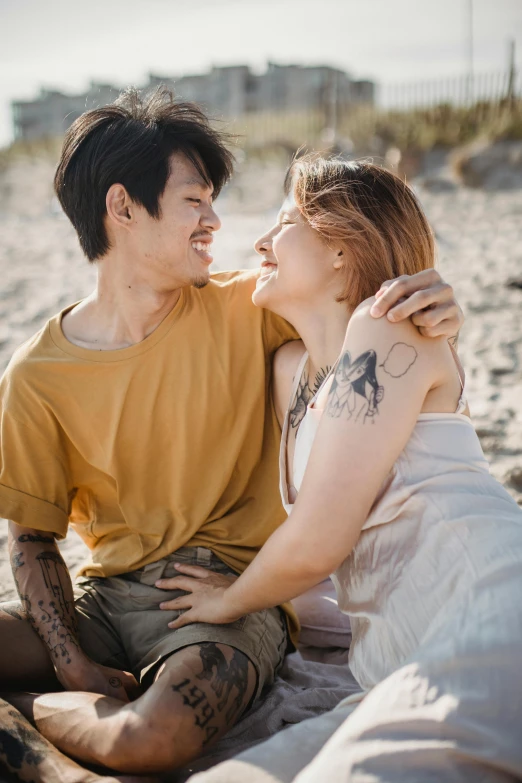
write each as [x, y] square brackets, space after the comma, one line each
[262, 296]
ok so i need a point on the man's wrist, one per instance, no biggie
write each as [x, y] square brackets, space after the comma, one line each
[77, 667]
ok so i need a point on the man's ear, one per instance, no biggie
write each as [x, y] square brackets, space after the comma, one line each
[119, 205]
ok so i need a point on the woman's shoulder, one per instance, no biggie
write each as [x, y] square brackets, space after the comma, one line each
[285, 365]
[363, 323]
[400, 339]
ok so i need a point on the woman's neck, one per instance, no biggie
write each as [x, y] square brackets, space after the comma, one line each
[323, 331]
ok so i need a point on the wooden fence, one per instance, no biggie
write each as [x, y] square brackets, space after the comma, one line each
[422, 114]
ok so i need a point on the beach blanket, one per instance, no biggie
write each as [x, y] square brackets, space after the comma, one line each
[303, 689]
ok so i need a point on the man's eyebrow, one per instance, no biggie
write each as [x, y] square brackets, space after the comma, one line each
[198, 181]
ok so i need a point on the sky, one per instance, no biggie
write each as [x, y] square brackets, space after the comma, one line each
[63, 44]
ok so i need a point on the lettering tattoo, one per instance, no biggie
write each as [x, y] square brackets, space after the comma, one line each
[356, 392]
[53, 620]
[223, 676]
[38, 539]
[305, 392]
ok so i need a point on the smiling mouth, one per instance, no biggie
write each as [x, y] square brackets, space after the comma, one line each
[267, 267]
[203, 249]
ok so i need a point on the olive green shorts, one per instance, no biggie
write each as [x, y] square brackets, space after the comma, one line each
[121, 624]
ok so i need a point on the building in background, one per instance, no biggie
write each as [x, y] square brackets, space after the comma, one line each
[230, 92]
[53, 112]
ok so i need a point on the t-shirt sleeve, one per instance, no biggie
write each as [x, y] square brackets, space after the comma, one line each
[33, 478]
[277, 331]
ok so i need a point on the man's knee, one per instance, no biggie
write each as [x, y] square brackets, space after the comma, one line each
[146, 744]
[199, 694]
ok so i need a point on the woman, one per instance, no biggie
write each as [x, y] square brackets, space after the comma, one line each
[388, 489]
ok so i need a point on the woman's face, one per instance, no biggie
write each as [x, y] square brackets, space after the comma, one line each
[297, 266]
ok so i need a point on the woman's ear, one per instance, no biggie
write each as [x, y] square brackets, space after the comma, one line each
[339, 262]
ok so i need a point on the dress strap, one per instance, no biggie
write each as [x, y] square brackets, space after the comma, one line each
[460, 369]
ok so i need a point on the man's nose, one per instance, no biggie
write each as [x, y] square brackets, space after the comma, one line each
[211, 220]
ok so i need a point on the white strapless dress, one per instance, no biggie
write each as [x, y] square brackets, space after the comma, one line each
[433, 589]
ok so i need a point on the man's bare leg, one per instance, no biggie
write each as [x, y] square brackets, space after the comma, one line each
[24, 660]
[198, 695]
[30, 757]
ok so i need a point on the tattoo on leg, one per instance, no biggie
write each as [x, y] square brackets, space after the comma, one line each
[223, 676]
[226, 677]
[38, 539]
[16, 561]
[196, 699]
[20, 744]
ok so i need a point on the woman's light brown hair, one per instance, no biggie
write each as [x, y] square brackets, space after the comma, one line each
[367, 211]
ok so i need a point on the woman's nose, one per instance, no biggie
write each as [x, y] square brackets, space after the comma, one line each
[263, 245]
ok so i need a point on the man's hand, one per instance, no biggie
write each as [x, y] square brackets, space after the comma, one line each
[206, 599]
[95, 678]
[426, 298]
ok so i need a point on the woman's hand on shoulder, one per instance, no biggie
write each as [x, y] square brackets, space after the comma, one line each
[284, 367]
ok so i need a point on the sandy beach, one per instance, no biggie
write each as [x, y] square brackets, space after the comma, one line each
[479, 234]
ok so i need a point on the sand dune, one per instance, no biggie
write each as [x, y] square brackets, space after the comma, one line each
[480, 248]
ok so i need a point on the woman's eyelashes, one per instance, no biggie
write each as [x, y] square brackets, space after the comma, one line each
[195, 200]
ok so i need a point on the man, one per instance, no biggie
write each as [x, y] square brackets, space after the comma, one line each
[142, 417]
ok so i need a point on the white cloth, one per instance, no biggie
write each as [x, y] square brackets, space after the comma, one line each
[433, 589]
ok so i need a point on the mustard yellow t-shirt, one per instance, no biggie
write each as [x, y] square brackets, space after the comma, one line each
[168, 443]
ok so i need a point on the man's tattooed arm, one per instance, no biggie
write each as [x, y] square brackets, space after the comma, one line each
[45, 589]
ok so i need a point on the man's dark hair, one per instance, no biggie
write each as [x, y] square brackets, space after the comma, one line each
[130, 142]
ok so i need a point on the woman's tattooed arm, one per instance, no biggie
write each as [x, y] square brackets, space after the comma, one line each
[356, 392]
[305, 392]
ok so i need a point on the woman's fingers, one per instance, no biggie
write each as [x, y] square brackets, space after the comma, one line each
[184, 619]
[182, 602]
[187, 583]
[196, 571]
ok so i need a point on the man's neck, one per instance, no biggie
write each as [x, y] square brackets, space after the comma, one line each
[122, 311]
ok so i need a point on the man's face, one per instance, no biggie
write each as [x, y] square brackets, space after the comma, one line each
[177, 246]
